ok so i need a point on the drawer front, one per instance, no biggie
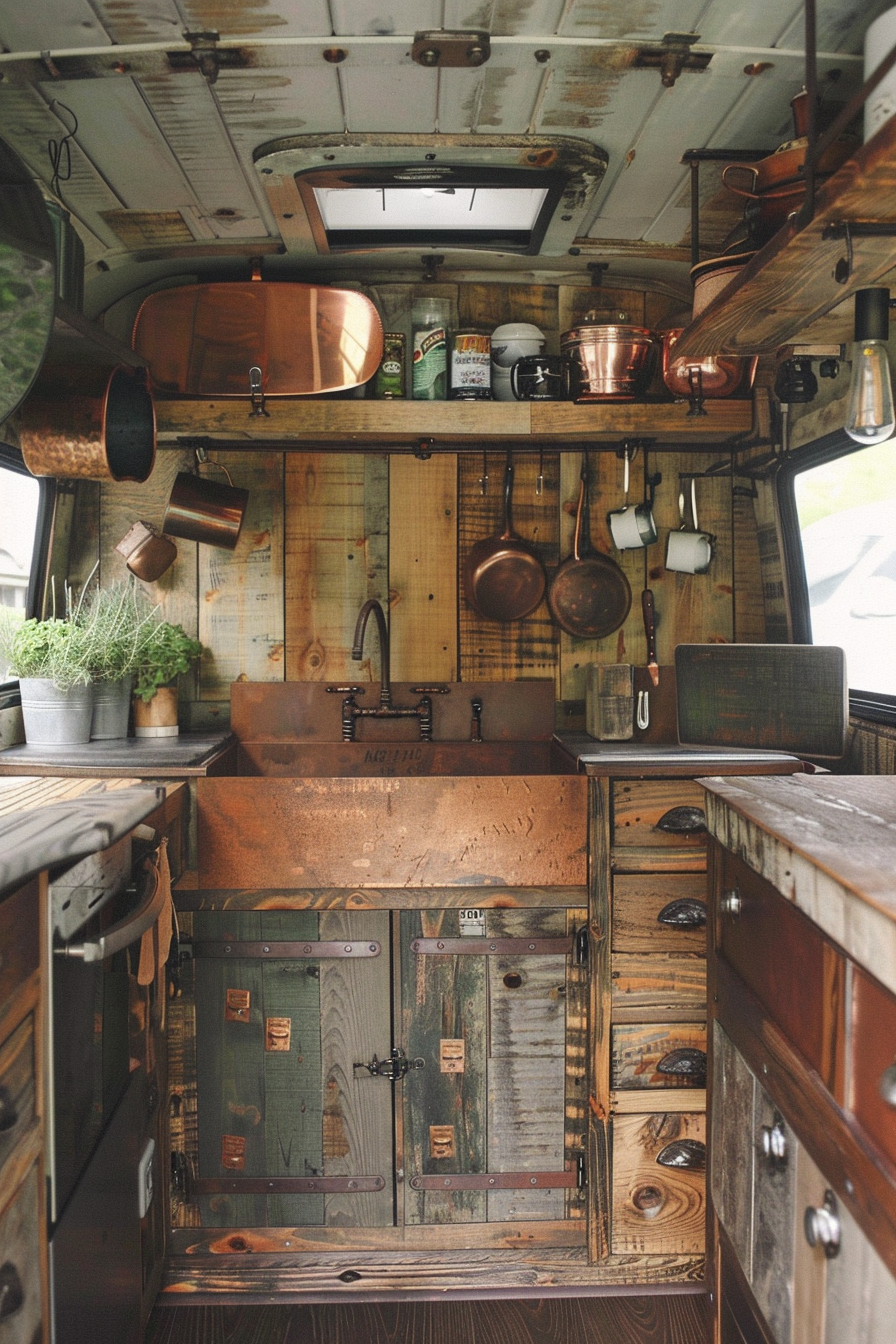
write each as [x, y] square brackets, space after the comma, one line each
[657, 1209]
[19, 939]
[648, 987]
[873, 1054]
[649, 813]
[656, 912]
[20, 1240]
[796, 974]
[16, 1087]
[666, 1054]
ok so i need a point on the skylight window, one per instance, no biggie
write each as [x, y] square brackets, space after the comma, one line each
[415, 205]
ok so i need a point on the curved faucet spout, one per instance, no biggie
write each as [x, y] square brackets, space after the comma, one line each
[372, 605]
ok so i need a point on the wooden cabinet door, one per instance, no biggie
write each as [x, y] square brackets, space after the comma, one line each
[279, 1097]
[496, 1100]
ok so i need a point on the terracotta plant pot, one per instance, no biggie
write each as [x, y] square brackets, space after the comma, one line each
[157, 717]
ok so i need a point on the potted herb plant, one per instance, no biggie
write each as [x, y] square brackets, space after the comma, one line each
[167, 652]
[118, 622]
[52, 662]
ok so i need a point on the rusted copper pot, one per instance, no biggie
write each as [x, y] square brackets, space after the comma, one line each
[719, 375]
[108, 435]
[205, 511]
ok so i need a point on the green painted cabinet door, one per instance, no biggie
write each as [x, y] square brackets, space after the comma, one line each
[278, 1094]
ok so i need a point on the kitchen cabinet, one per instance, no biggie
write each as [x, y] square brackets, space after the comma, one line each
[803, 1010]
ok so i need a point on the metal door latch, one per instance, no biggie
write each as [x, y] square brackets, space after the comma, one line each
[393, 1068]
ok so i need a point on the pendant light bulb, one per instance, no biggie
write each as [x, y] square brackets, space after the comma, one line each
[870, 416]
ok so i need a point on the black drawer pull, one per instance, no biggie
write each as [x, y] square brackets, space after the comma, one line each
[11, 1294]
[688, 913]
[688, 1153]
[685, 1063]
[9, 1116]
[683, 820]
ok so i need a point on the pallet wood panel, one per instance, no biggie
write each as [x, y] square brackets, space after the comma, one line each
[638, 900]
[638, 1049]
[493, 650]
[336, 558]
[241, 591]
[283, 1241]
[525, 830]
[378, 898]
[656, 984]
[423, 592]
[357, 1108]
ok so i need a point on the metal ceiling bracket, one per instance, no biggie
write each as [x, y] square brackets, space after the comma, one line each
[468, 48]
[673, 57]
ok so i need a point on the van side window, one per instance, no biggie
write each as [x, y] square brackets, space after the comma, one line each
[21, 499]
[839, 513]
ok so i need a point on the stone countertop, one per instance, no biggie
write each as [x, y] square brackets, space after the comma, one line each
[142, 758]
[632, 759]
[827, 843]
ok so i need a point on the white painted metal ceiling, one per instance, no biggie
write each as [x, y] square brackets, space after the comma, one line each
[162, 170]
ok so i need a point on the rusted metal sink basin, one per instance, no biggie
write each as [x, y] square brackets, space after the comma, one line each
[295, 729]
[386, 759]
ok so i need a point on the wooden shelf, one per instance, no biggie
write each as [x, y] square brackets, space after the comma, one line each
[76, 340]
[450, 425]
[790, 283]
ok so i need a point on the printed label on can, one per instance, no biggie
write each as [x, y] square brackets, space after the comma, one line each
[390, 374]
[430, 363]
[470, 360]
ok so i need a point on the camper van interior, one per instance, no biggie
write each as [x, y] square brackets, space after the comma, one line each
[447, 672]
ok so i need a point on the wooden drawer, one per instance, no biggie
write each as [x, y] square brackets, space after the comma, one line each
[873, 1048]
[788, 963]
[659, 912]
[657, 1209]
[20, 1240]
[655, 987]
[19, 939]
[17, 1074]
[638, 1050]
[641, 811]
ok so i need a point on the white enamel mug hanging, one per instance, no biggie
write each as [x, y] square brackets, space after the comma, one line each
[689, 551]
[633, 524]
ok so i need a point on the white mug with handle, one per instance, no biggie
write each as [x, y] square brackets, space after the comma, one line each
[689, 551]
[633, 524]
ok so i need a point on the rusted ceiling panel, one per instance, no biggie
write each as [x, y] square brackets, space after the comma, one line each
[128, 21]
[498, 98]
[512, 17]
[642, 19]
[25, 27]
[117, 133]
[372, 18]
[257, 18]
[186, 112]
[28, 124]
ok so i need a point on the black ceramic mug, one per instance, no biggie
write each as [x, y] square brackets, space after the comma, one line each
[540, 378]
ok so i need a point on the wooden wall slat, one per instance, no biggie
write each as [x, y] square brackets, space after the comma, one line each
[423, 593]
[336, 558]
[241, 591]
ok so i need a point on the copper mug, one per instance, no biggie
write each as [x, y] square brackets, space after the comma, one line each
[206, 511]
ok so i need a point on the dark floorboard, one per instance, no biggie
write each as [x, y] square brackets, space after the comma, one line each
[584, 1320]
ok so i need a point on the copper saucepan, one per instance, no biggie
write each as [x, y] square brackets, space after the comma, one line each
[589, 594]
[504, 579]
[109, 433]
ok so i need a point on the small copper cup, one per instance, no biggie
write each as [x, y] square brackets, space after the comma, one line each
[206, 511]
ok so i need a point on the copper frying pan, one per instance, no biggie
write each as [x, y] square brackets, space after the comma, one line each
[589, 594]
[504, 579]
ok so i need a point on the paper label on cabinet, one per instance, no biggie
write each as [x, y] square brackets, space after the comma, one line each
[472, 923]
[451, 1056]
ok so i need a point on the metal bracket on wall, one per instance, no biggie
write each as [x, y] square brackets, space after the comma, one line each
[287, 951]
[492, 947]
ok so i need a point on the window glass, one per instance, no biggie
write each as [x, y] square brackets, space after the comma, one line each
[19, 509]
[846, 508]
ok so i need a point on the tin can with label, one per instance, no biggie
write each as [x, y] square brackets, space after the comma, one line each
[471, 375]
[389, 380]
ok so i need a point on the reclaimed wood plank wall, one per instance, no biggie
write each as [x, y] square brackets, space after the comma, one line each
[327, 530]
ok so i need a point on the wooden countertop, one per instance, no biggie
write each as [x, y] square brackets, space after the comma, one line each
[139, 758]
[631, 760]
[827, 843]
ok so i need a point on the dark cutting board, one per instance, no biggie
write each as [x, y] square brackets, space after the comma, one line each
[786, 697]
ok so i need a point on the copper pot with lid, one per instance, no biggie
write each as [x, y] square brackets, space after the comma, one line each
[609, 361]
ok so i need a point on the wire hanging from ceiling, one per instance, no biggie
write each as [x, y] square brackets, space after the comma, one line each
[59, 151]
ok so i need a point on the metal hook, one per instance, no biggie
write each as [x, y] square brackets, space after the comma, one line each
[483, 479]
[256, 392]
[643, 715]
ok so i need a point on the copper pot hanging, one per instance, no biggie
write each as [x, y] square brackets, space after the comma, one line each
[109, 433]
